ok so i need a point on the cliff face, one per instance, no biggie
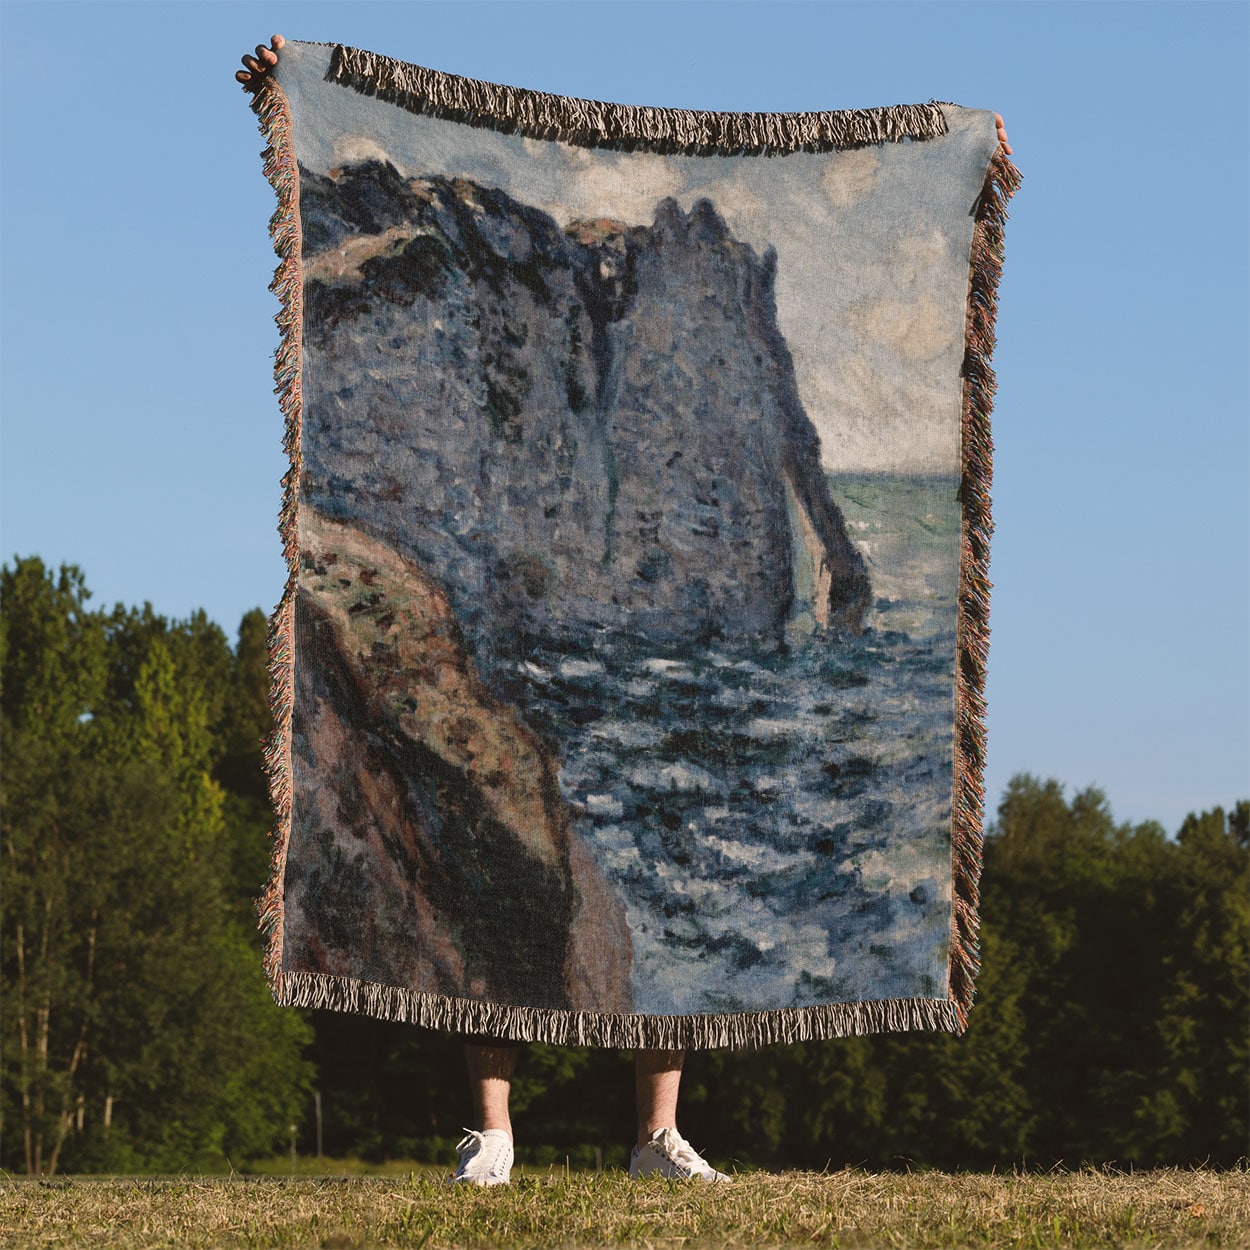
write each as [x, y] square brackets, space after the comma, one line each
[571, 429]
[429, 832]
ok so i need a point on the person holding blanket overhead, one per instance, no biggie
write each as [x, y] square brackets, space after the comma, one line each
[486, 1151]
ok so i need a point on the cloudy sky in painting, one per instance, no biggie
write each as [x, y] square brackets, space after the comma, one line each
[872, 245]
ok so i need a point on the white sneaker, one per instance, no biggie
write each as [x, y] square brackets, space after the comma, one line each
[668, 1153]
[485, 1158]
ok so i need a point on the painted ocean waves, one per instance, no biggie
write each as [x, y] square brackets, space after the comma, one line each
[777, 822]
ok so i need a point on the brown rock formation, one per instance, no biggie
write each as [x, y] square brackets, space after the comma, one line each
[430, 845]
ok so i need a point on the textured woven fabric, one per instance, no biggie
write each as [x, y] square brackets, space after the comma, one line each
[628, 675]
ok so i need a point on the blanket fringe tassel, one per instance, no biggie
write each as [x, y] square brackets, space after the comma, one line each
[662, 130]
[274, 113]
[625, 127]
[742, 1031]
[973, 627]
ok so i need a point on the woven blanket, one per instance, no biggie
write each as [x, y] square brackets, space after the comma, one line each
[628, 677]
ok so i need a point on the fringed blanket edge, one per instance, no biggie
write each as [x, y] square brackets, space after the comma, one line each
[625, 127]
[733, 1031]
[973, 626]
[593, 123]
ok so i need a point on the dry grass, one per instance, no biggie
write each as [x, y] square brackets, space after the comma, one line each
[1168, 1207]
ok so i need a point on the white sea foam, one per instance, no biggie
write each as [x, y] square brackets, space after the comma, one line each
[605, 805]
[668, 668]
[580, 668]
[626, 733]
[681, 777]
[752, 855]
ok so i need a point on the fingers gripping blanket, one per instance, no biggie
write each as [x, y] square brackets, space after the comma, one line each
[628, 677]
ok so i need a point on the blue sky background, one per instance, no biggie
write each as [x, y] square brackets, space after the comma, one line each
[141, 439]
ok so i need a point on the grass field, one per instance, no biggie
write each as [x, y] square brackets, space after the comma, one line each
[1170, 1207]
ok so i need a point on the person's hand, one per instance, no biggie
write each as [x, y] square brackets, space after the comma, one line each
[259, 65]
[998, 117]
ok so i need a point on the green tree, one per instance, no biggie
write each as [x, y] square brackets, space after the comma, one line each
[246, 722]
[52, 677]
[1133, 946]
[142, 1032]
[1199, 1109]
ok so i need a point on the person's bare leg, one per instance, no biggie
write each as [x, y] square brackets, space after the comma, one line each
[490, 1078]
[657, 1078]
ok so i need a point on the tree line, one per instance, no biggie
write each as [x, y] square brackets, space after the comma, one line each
[138, 1033]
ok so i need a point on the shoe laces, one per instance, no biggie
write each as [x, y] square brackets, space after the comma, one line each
[681, 1152]
[490, 1149]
